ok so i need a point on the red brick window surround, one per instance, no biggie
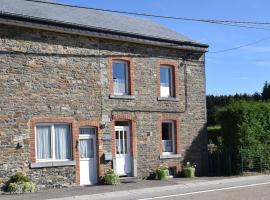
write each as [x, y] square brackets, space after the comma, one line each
[129, 73]
[48, 122]
[75, 131]
[99, 151]
[133, 136]
[174, 82]
[171, 143]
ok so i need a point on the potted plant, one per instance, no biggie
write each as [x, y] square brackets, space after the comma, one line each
[189, 170]
[111, 178]
[163, 173]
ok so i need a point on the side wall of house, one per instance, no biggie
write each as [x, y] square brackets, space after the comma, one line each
[50, 76]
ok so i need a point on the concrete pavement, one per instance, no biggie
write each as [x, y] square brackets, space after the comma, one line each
[173, 189]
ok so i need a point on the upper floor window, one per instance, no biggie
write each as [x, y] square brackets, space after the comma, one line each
[53, 142]
[166, 81]
[121, 77]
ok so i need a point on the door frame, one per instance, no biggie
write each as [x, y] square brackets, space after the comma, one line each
[133, 140]
[127, 129]
[96, 153]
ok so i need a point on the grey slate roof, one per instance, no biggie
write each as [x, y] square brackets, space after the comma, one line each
[99, 20]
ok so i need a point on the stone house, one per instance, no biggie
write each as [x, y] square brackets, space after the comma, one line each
[84, 91]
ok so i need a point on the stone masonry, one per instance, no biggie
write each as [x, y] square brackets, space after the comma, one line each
[50, 75]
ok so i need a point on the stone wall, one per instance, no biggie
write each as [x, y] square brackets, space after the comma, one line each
[47, 74]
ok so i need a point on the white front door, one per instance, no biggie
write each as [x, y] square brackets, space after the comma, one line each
[88, 169]
[122, 147]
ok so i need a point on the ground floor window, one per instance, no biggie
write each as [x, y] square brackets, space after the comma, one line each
[53, 142]
[168, 137]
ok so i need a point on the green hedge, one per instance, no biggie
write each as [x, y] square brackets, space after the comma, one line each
[247, 125]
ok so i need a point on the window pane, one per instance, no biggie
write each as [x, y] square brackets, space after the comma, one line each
[125, 142]
[117, 142]
[87, 148]
[165, 81]
[122, 142]
[62, 141]
[88, 131]
[120, 77]
[167, 137]
[43, 142]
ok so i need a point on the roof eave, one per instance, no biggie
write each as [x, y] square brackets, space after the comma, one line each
[51, 25]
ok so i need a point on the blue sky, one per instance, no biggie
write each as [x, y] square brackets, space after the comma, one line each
[240, 71]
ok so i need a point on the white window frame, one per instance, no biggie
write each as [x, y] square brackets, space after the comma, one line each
[126, 64]
[173, 138]
[87, 137]
[52, 142]
[171, 80]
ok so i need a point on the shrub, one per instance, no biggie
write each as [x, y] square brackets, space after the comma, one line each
[111, 178]
[18, 177]
[21, 187]
[247, 125]
[215, 138]
[29, 187]
[163, 173]
[20, 183]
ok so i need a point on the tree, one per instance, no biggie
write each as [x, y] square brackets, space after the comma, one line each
[257, 96]
[266, 91]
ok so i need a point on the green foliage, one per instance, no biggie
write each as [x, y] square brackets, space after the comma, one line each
[266, 91]
[163, 173]
[21, 187]
[212, 115]
[189, 172]
[111, 178]
[215, 104]
[18, 177]
[246, 124]
[20, 183]
[215, 140]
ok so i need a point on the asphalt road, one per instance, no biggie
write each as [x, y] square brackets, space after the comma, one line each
[239, 188]
[251, 192]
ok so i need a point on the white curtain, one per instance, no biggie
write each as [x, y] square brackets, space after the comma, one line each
[62, 142]
[165, 82]
[43, 142]
[86, 148]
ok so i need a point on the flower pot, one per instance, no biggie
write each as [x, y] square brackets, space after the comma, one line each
[189, 172]
[163, 174]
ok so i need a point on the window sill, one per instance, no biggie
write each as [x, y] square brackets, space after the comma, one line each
[52, 164]
[127, 97]
[167, 99]
[169, 156]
